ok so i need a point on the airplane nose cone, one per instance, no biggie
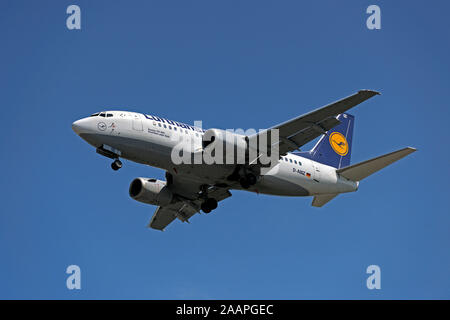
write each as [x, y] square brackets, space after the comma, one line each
[82, 126]
[76, 126]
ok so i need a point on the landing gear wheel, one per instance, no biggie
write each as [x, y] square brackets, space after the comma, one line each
[116, 165]
[251, 178]
[244, 183]
[211, 203]
[205, 208]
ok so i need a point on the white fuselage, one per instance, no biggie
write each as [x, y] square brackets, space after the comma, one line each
[150, 140]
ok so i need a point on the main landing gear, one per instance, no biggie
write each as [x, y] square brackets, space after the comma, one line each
[116, 165]
[248, 180]
[208, 205]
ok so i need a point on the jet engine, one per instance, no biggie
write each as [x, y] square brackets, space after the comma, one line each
[150, 191]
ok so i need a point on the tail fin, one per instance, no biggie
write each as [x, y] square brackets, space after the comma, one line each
[364, 169]
[335, 146]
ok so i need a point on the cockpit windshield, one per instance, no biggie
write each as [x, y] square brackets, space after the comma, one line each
[101, 114]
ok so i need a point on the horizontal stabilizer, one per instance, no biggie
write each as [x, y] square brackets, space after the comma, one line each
[322, 199]
[359, 171]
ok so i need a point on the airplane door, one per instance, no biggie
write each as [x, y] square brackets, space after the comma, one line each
[137, 122]
[317, 173]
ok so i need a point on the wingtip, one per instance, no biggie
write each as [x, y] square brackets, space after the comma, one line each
[408, 150]
[152, 227]
[373, 92]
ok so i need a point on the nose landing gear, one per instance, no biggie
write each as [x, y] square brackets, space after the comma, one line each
[111, 153]
[116, 165]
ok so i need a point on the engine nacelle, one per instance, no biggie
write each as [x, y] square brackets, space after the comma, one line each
[225, 146]
[150, 191]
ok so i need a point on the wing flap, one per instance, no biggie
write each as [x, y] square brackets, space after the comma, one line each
[317, 116]
[297, 132]
[308, 134]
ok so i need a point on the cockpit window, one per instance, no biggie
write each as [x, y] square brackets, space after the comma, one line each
[109, 115]
[95, 114]
[102, 114]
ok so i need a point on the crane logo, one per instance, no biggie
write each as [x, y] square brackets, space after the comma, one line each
[339, 143]
[101, 126]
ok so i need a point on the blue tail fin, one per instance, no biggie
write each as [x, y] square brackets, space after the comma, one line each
[335, 147]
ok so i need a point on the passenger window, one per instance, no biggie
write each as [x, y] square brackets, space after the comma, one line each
[290, 160]
[285, 159]
[165, 127]
[170, 127]
[295, 161]
[159, 124]
[175, 128]
[299, 163]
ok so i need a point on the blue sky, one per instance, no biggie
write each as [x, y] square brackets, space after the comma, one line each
[231, 64]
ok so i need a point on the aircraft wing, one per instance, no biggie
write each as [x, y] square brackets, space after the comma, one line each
[298, 131]
[183, 208]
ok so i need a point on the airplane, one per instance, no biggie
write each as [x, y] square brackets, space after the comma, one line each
[190, 187]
